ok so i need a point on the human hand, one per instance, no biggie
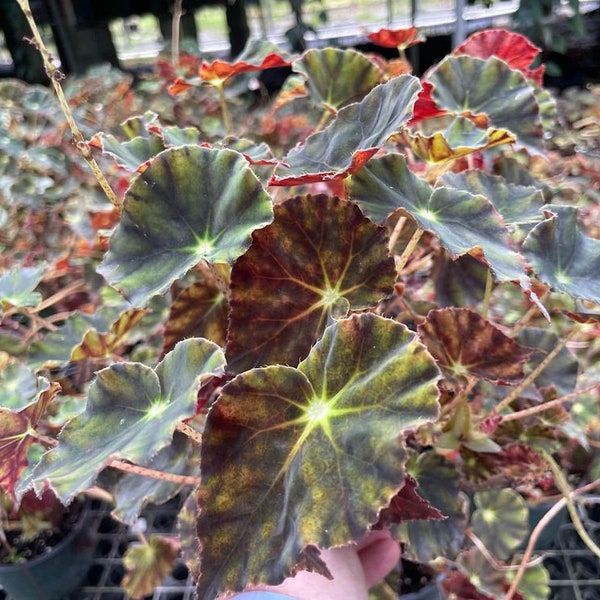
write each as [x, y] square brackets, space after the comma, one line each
[354, 567]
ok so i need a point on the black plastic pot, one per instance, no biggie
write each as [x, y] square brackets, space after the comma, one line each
[56, 573]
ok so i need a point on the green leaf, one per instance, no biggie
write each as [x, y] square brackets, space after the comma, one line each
[464, 222]
[147, 565]
[535, 583]
[319, 258]
[518, 204]
[133, 410]
[96, 345]
[190, 204]
[12, 344]
[387, 184]
[18, 386]
[328, 437]
[563, 256]
[142, 144]
[337, 77]
[439, 484]
[17, 285]
[188, 538]
[547, 107]
[482, 574]
[180, 136]
[501, 521]
[459, 282]
[355, 135]
[459, 432]
[464, 84]
[259, 155]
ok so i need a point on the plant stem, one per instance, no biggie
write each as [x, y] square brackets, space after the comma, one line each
[524, 320]
[323, 120]
[522, 414]
[563, 486]
[175, 27]
[418, 264]
[535, 373]
[50, 442]
[76, 286]
[55, 77]
[408, 250]
[224, 110]
[153, 473]
[192, 433]
[537, 530]
[463, 396]
[533, 537]
[489, 286]
[492, 559]
[396, 233]
[140, 535]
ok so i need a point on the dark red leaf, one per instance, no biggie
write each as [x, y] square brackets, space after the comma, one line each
[425, 107]
[457, 585]
[407, 505]
[489, 425]
[513, 48]
[209, 391]
[16, 438]
[47, 504]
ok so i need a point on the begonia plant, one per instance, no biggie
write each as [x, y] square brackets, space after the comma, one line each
[362, 305]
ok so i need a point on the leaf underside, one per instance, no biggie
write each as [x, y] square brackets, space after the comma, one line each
[16, 428]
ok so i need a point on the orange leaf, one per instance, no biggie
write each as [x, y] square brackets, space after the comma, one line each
[396, 38]
[219, 71]
[397, 67]
[96, 141]
[179, 86]
[105, 220]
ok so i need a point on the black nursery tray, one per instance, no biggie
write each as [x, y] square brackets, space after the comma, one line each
[105, 574]
[574, 570]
